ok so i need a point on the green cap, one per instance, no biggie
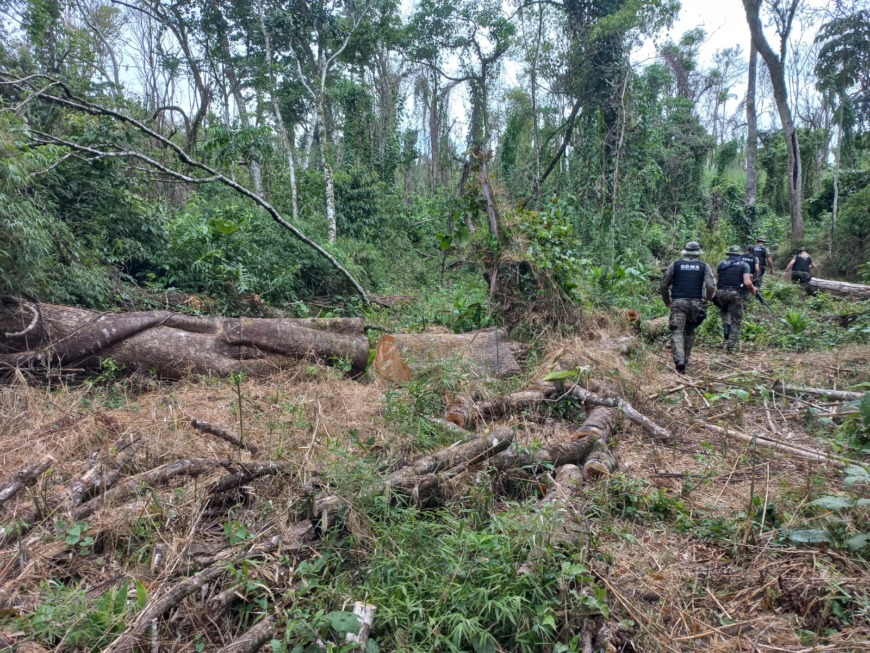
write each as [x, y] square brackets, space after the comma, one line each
[735, 249]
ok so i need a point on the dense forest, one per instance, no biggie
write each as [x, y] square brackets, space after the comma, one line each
[453, 216]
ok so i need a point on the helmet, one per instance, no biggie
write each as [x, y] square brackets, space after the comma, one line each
[692, 248]
[735, 249]
[761, 239]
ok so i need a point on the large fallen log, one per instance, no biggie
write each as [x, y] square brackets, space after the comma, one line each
[398, 356]
[255, 638]
[600, 425]
[782, 388]
[838, 288]
[171, 344]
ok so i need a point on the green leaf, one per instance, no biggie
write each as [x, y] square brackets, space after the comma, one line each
[343, 622]
[865, 409]
[372, 647]
[858, 542]
[141, 594]
[856, 475]
[550, 621]
[558, 375]
[833, 503]
[119, 606]
[809, 536]
[275, 645]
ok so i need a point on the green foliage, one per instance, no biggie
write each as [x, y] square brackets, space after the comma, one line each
[66, 616]
[441, 583]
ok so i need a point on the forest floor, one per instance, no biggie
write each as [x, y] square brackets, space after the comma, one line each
[699, 543]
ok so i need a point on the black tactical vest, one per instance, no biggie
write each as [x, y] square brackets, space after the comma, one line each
[802, 264]
[759, 254]
[688, 279]
[730, 274]
[750, 260]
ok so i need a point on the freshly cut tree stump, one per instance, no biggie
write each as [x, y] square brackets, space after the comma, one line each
[171, 344]
[838, 288]
[487, 350]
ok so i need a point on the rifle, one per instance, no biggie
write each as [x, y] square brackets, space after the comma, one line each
[764, 302]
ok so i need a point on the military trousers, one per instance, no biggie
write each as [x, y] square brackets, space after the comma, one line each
[686, 316]
[731, 306]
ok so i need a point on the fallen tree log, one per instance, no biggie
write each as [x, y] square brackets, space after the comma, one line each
[767, 443]
[631, 413]
[255, 638]
[171, 344]
[656, 328]
[488, 352]
[462, 413]
[782, 388]
[25, 478]
[126, 641]
[838, 288]
[225, 435]
[568, 478]
[599, 424]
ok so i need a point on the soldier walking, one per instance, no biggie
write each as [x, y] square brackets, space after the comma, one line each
[734, 280]
[765, 260]
[800, 266]
[752, 261]
[686, 284]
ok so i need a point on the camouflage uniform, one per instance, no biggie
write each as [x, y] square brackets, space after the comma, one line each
[730, 303]
[686, 315]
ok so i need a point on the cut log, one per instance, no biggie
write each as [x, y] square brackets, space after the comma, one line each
[462, 414]
[834, 395]
[838, 288]
[24, 478]
[454, 455]
[652, 329]
[599, 424]
[225, 435]
[174, 345]
[153, 477]
[568, 479]
[247, 472]
[255, 638]
[633, 415]
[487, 351]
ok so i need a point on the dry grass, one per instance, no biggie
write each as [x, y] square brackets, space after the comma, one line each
[683, 590]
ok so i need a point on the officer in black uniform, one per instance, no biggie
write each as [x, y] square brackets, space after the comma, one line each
[800, 266]
[752, 261]
[687, 282]
[765, 260]
[734, 280]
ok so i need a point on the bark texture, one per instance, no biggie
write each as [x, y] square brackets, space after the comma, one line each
[171, 344]
[838, 288]
[487, 350]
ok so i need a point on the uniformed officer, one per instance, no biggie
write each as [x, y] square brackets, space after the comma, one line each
[686, 284]
[734, 280]
[765, 260]
[752, 261]
[800, 266]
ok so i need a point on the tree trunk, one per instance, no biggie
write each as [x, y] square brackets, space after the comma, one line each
[837, 155]
[173, 345]
[276, 110]
[487, 350]
[751, 137]
[776, 67]
[833, 395]
[327, 171]
[838, 288]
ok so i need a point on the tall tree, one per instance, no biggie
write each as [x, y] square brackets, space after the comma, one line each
[784, 12]
[751, 138]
